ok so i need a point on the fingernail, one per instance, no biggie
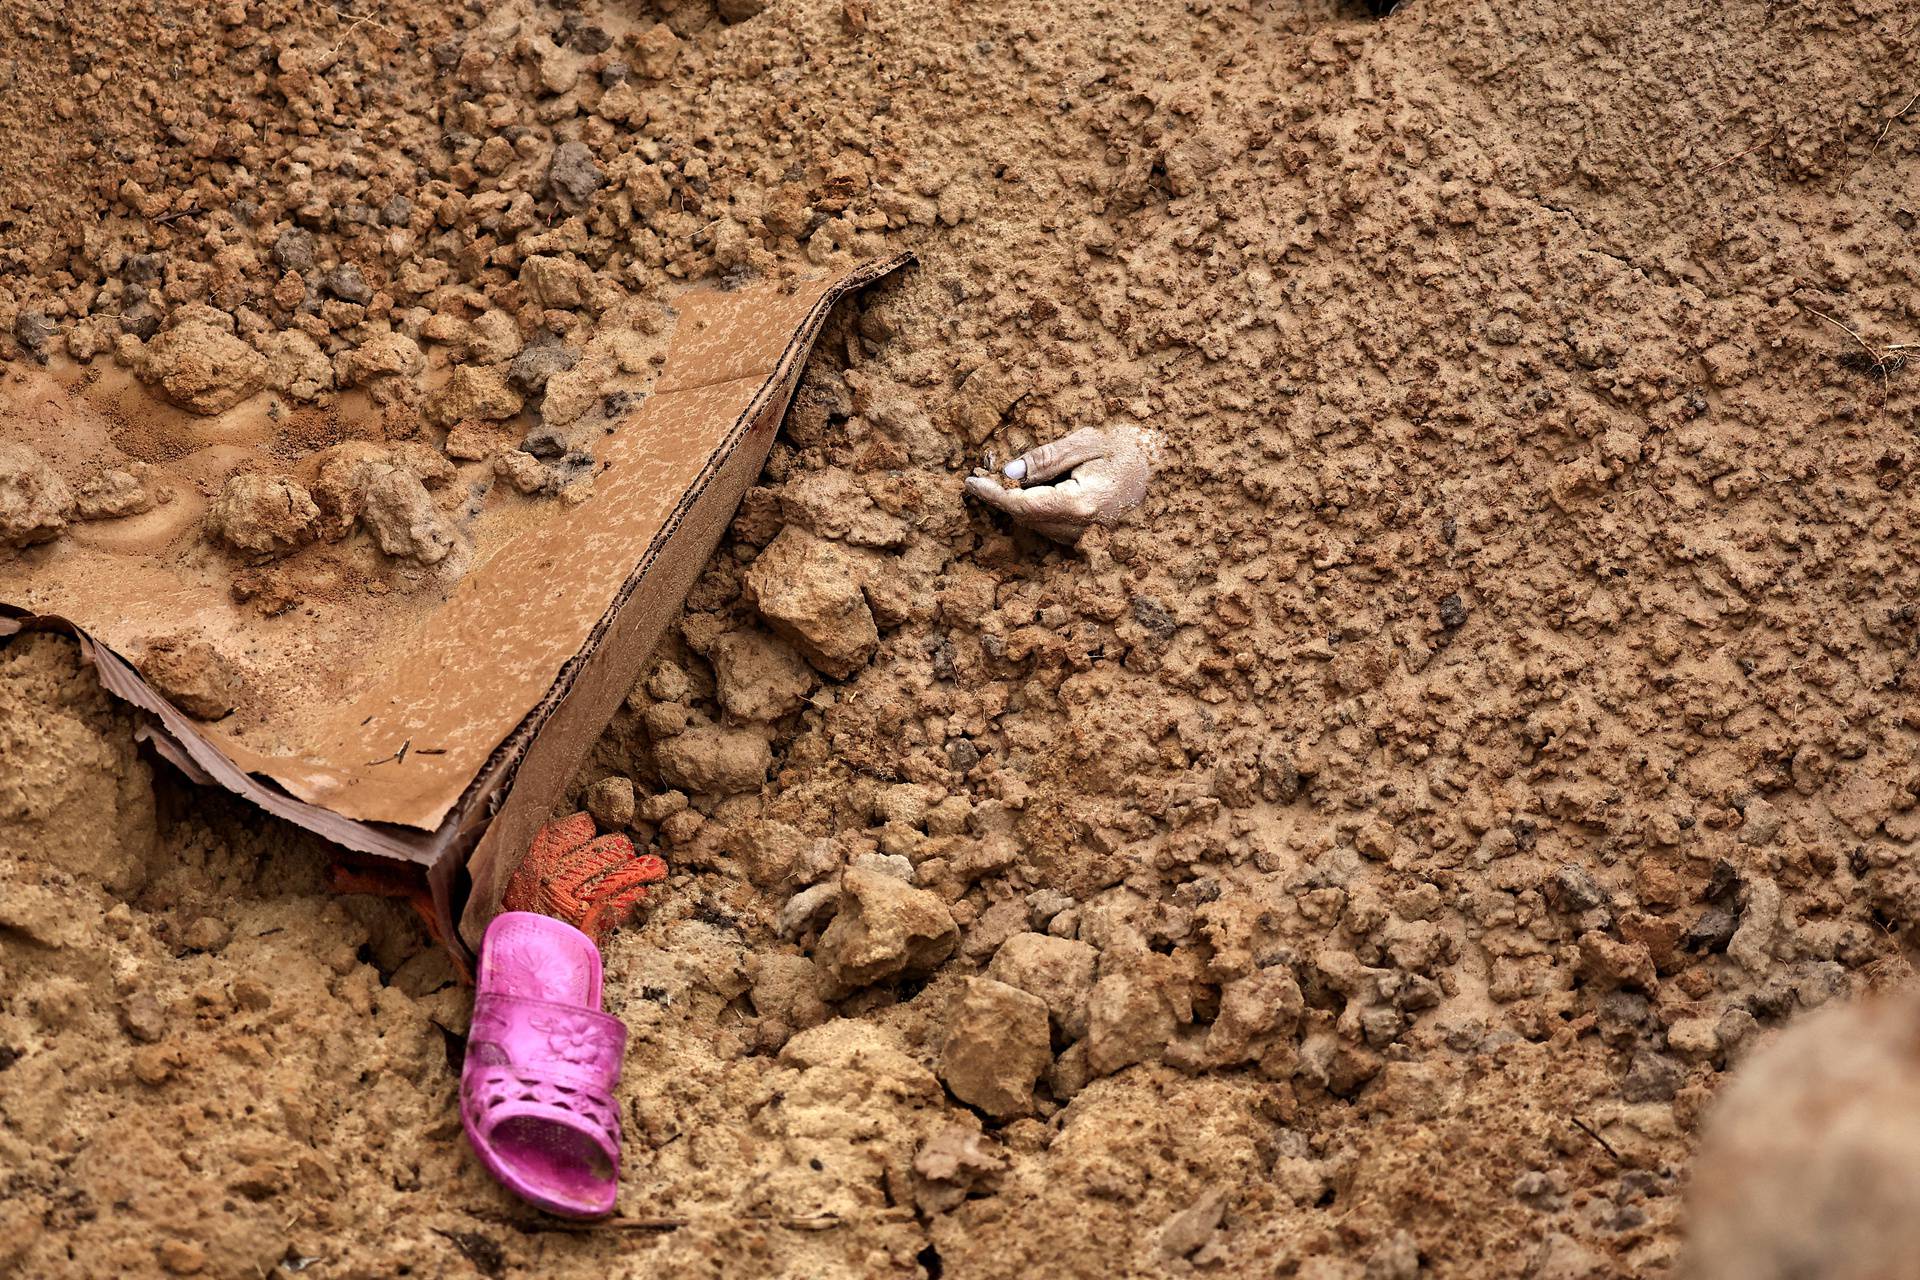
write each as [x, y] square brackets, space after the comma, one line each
[1017, 469]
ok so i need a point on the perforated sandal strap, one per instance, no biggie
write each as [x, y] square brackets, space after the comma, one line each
[558, 1043]
[492, 1094]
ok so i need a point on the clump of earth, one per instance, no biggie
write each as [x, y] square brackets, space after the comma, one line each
[1368, 862]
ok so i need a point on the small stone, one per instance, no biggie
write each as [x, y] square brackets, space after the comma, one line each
[758, 677]
[1695, 1039]
[884, 929]
[1573, 891]
[1608, 962]
[1257, 1013]
[32, 330]
[739, 10]
[383, 355]
[897, 865]
[340, 487]
[293, 250]
[142, 1018]
[990, 931]
[1183, 1233]
[808, 590]
[194, 676]
[263, 515]
[1762, 823]
[952, 1164]
[532, 367]
[610, 801]
[773, 853]
[207, 933]
[586, 37]
[1069, 1073]
[140, 320]
[493, 337]
[397, 211]
[142, 268]
[997, 1046]
[297, 366]
[204, 369]
[1653, 1077]
[346, 283]
[654, 51]
[573, 175]
[545, 442]
[182, 1258]
[1711, 931]
[34, 502]
[1376, 840]
[1751, 946]
[524, 472]
[805, 909]
[559, 72]
[496, 153]
[152, 1065]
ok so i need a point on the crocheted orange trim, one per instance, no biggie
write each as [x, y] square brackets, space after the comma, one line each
[592, 884]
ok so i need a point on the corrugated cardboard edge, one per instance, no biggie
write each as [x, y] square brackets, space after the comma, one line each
[515, 790]
[556, 736]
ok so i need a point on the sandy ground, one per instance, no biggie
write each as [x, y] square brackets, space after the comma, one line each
[1368, 863]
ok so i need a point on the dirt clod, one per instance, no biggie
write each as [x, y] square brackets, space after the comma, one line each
[808, 590]
[996, 1047]
[194, 676]
[34, 501]
[883, 928]
[204, 369]
[263, 516]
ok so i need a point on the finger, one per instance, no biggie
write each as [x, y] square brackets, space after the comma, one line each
[1057, 457]
[1065, 503]
[989, 491]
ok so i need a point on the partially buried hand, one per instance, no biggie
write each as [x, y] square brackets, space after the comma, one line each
[1109, 466]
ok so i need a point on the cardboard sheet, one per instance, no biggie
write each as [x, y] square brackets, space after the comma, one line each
[438, 723]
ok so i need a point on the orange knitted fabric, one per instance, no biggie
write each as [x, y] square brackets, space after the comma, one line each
[593, 885]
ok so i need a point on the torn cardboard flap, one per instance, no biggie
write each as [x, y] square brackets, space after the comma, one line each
[421, 725]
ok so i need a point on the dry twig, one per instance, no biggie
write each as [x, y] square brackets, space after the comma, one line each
[1879, 361]
[1888, 127]
[1766, 142]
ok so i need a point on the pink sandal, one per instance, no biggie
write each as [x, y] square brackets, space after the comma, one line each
[536, 1092]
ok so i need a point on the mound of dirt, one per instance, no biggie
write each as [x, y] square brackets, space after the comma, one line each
[1378, 852]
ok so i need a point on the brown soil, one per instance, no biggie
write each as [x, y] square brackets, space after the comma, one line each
[1492, 727]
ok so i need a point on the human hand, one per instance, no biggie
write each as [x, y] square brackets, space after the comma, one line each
[1110, 468]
